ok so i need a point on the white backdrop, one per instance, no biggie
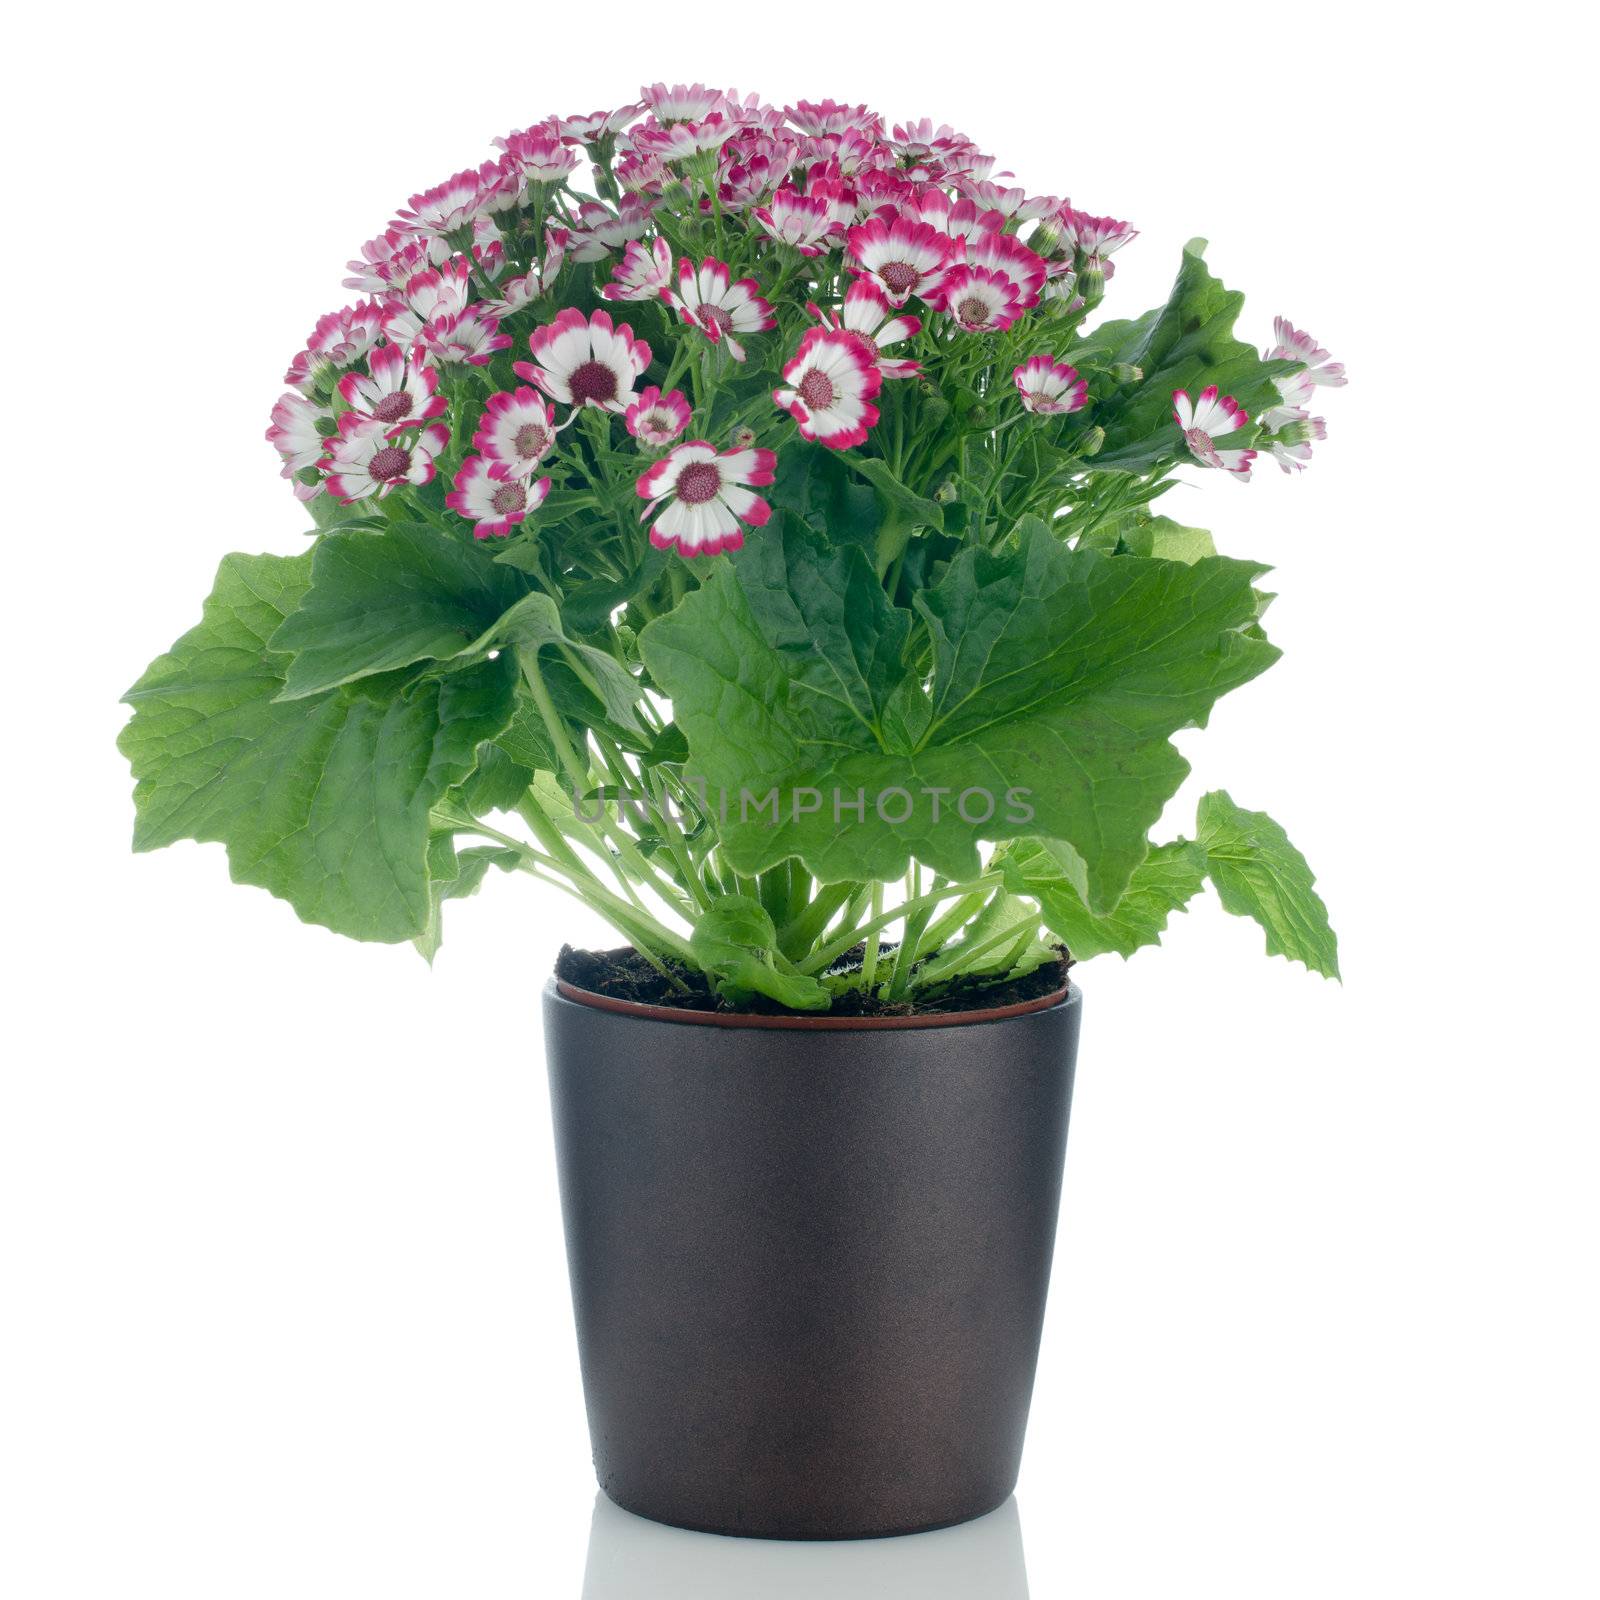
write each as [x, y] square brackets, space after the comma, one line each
[282, 1296]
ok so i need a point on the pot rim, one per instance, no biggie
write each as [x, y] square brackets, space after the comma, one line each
[1067, 994]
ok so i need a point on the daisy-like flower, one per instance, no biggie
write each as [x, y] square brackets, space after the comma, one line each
[678, 141]
[534, 284]
[1291, 448]
[868, 315]
[752, 168]
[581, 361]
[338, 341]
[830, 383]
[1210, 417]
[820, 117]
[538, 155]
[457, 203]
[295, 436]
[438, 292]
[1293, 345]
[1295, 391]
[644, 274]
[492, 497]
[1004, 252]
[597, 125]
[682, 102]
[516, 430]
[1015, 204]
[914, 142]
[398, 393]
[805, 221]
[1050, 387]
[656, 418]
[393, 257]
[902, 257]
[1092, 236]
[363, 460]
[720, 308]
[471, 336]
[599, 230]
[959, 218]
[981, 299]
[709, 496]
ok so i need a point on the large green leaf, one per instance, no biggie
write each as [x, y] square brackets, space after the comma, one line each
[736, 942]
[1259, 874]
[1165, 881]
[323, 800]
[1185, 344]
[384, 600]
[1054, 672]
[455, 875]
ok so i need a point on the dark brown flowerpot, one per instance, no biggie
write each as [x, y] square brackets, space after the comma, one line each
[809, 1265]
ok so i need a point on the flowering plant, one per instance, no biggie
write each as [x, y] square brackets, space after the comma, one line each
[764, 529]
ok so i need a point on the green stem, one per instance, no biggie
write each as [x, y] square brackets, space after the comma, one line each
[880, 919]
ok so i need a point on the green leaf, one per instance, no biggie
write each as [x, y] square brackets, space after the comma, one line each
[1057, 678]
[1157, 537]
[380, 601]
[1259, 874]
[454, 875]
[1165, 881]
[737, 944]
[323, 800]
[1186, 344]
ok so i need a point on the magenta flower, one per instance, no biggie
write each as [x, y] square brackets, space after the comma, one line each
[1212, 416]
[363, 460]
[1050, 387]
[830, 384]
[516, 431]
[586, 362]
[656, 418]
[492, 497]
[718, 307]
[708, 495]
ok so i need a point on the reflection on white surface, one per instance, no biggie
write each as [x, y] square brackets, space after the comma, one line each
[632, 1559]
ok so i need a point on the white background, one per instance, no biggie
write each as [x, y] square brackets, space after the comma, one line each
[282, 1295]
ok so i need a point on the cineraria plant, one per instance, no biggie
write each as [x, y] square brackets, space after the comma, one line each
[758, 545]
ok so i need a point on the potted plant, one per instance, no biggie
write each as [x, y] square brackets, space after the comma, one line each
[744, 521]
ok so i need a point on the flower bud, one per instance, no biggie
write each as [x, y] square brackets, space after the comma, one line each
[1090, 443]
[327, 426]
[309, 476]
[1092, 283]
[946, 492]
[1125, 372]
[743, 438]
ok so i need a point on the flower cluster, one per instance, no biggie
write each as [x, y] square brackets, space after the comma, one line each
[769, 273]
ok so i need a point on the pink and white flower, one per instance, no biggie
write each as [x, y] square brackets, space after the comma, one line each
[656, 418]
[471, 336]
[536, 282]
[679, 141]
[682, 102]
[902, 257]
[645, 272]
[1098, 237]
[718, 307]
[1004, 252]
[516, 430]
[981, 299]
[582, 361]
[1049, 387]
[363, 460]
[294, 434]
[492, 497]
[868, 314]
[822, 117]
[1293, 345]
[1209, 418]
[708, 496]
[437, 292]
[598, 230]
[1291, 448]
[338, 341]
[830, 383]
[959, 218]
[597, 125]
[397, 392]
[804, 221]
[454, 205]
[538, 155]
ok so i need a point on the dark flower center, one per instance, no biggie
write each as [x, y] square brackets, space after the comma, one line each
[531, 440]
[390, 463]
[817, 390]
[973, 311]
[594, 380]
[715, 318]
[900, 276]
[509, 497]
[393, 407]
[699, 482]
